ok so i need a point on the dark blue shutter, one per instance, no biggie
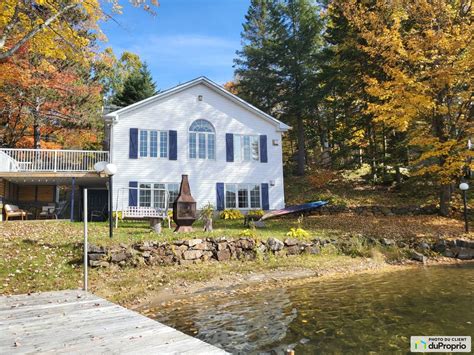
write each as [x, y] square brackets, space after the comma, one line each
[133, 193]
[173, 143]
[133, 144]
[265, 199]
[229, 147]
[263, 149]
[220, 196]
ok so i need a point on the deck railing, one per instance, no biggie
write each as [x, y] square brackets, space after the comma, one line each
[53, 160]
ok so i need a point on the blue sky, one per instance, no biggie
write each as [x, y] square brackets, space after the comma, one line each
[186, 39]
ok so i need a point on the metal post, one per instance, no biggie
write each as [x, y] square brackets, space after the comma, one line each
[73, 190]
[85, 240]
[466, 223]
[111, 219]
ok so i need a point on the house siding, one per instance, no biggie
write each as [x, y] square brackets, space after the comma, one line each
[177, 112]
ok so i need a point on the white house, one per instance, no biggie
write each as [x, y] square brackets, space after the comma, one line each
[231, 151]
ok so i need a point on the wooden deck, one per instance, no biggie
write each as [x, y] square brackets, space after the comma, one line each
[76, 322]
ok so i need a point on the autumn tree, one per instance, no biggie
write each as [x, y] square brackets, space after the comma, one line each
[51, 28]
[42, 97]
[427, 56]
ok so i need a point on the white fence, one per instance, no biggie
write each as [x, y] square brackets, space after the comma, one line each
[55, 160]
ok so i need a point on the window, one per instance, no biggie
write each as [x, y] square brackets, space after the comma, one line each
[246, 148]
[154, 194]
[202, 140]
[153, 143]
[244, 196]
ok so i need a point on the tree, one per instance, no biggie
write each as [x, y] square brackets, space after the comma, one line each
[426, 90]
[138, 86]
[44, 98]
[278, 63]
[56, 28]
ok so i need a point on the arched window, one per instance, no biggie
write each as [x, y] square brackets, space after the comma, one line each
[202, 140]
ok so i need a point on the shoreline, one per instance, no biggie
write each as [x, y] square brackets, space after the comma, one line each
[246, 283]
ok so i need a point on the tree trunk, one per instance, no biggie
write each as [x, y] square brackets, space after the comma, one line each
[445, 199]
[36, 136]
[301, 148]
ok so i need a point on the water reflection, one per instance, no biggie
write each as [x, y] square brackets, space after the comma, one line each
[361, 313]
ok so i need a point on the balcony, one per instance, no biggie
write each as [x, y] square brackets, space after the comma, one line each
[50, 160]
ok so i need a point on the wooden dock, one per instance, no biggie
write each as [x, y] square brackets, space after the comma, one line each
[78, 322]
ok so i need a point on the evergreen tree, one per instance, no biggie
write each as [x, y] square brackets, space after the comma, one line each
[138, 86]
[278, 63]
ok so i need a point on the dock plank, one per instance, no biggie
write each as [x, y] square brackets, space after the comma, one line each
[75, 322]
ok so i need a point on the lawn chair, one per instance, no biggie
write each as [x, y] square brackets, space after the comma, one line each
[14, 211]
[101, 214]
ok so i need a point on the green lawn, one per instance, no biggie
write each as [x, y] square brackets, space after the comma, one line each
[47, 255]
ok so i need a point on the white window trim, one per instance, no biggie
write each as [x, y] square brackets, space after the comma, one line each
[242, 160]
[248, 196]
[152, 189]
[148, 147]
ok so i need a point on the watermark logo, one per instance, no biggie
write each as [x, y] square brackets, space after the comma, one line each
[440, 344]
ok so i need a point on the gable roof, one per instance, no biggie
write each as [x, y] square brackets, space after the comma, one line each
[211, 85]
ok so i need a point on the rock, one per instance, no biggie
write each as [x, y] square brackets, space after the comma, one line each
[207, 255]
[223, 255]
[98, 263]
[146, 254]
[221, 246]
[465, 243]
[418, 257]
[290, 242]
[203, 246]
[96, 249]
[450, 253]
[466, 254]
[387, 242]
[95, 256]
[179, 242]
[293, 250]
[192, 254]
[313, 250]
[193, 242]
[118, 257]
[259, 224]
[245, 243]
[274, 244]
[440, 246]
[424, 246]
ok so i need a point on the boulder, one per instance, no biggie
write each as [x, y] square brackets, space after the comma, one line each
[293, 250]
[193, 242]
[96, 249]
[290, 242]
[222, 246]
[192, 254]
[118, 257]
[245, 243]
[203, 246]
[387, 242]
[223, 255]
[98, 263]
[418, 257]
[466, 254]
[95, 256]
[274, 244]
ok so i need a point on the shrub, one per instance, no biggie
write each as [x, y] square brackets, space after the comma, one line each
[255, 214]
[297, 233]
[248, 233]
[231, 214]
[117, 213]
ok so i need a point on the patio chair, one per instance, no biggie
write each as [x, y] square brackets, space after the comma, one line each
[100, 214]
[14, 211]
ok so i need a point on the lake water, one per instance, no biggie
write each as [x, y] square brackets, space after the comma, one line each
[356, 314]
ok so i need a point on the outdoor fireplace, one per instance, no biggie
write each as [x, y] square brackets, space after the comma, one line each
[184, 207]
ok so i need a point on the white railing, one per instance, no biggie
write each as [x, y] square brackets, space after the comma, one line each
[55, 160]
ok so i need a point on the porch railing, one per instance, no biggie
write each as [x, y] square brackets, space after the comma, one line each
[54, 160]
